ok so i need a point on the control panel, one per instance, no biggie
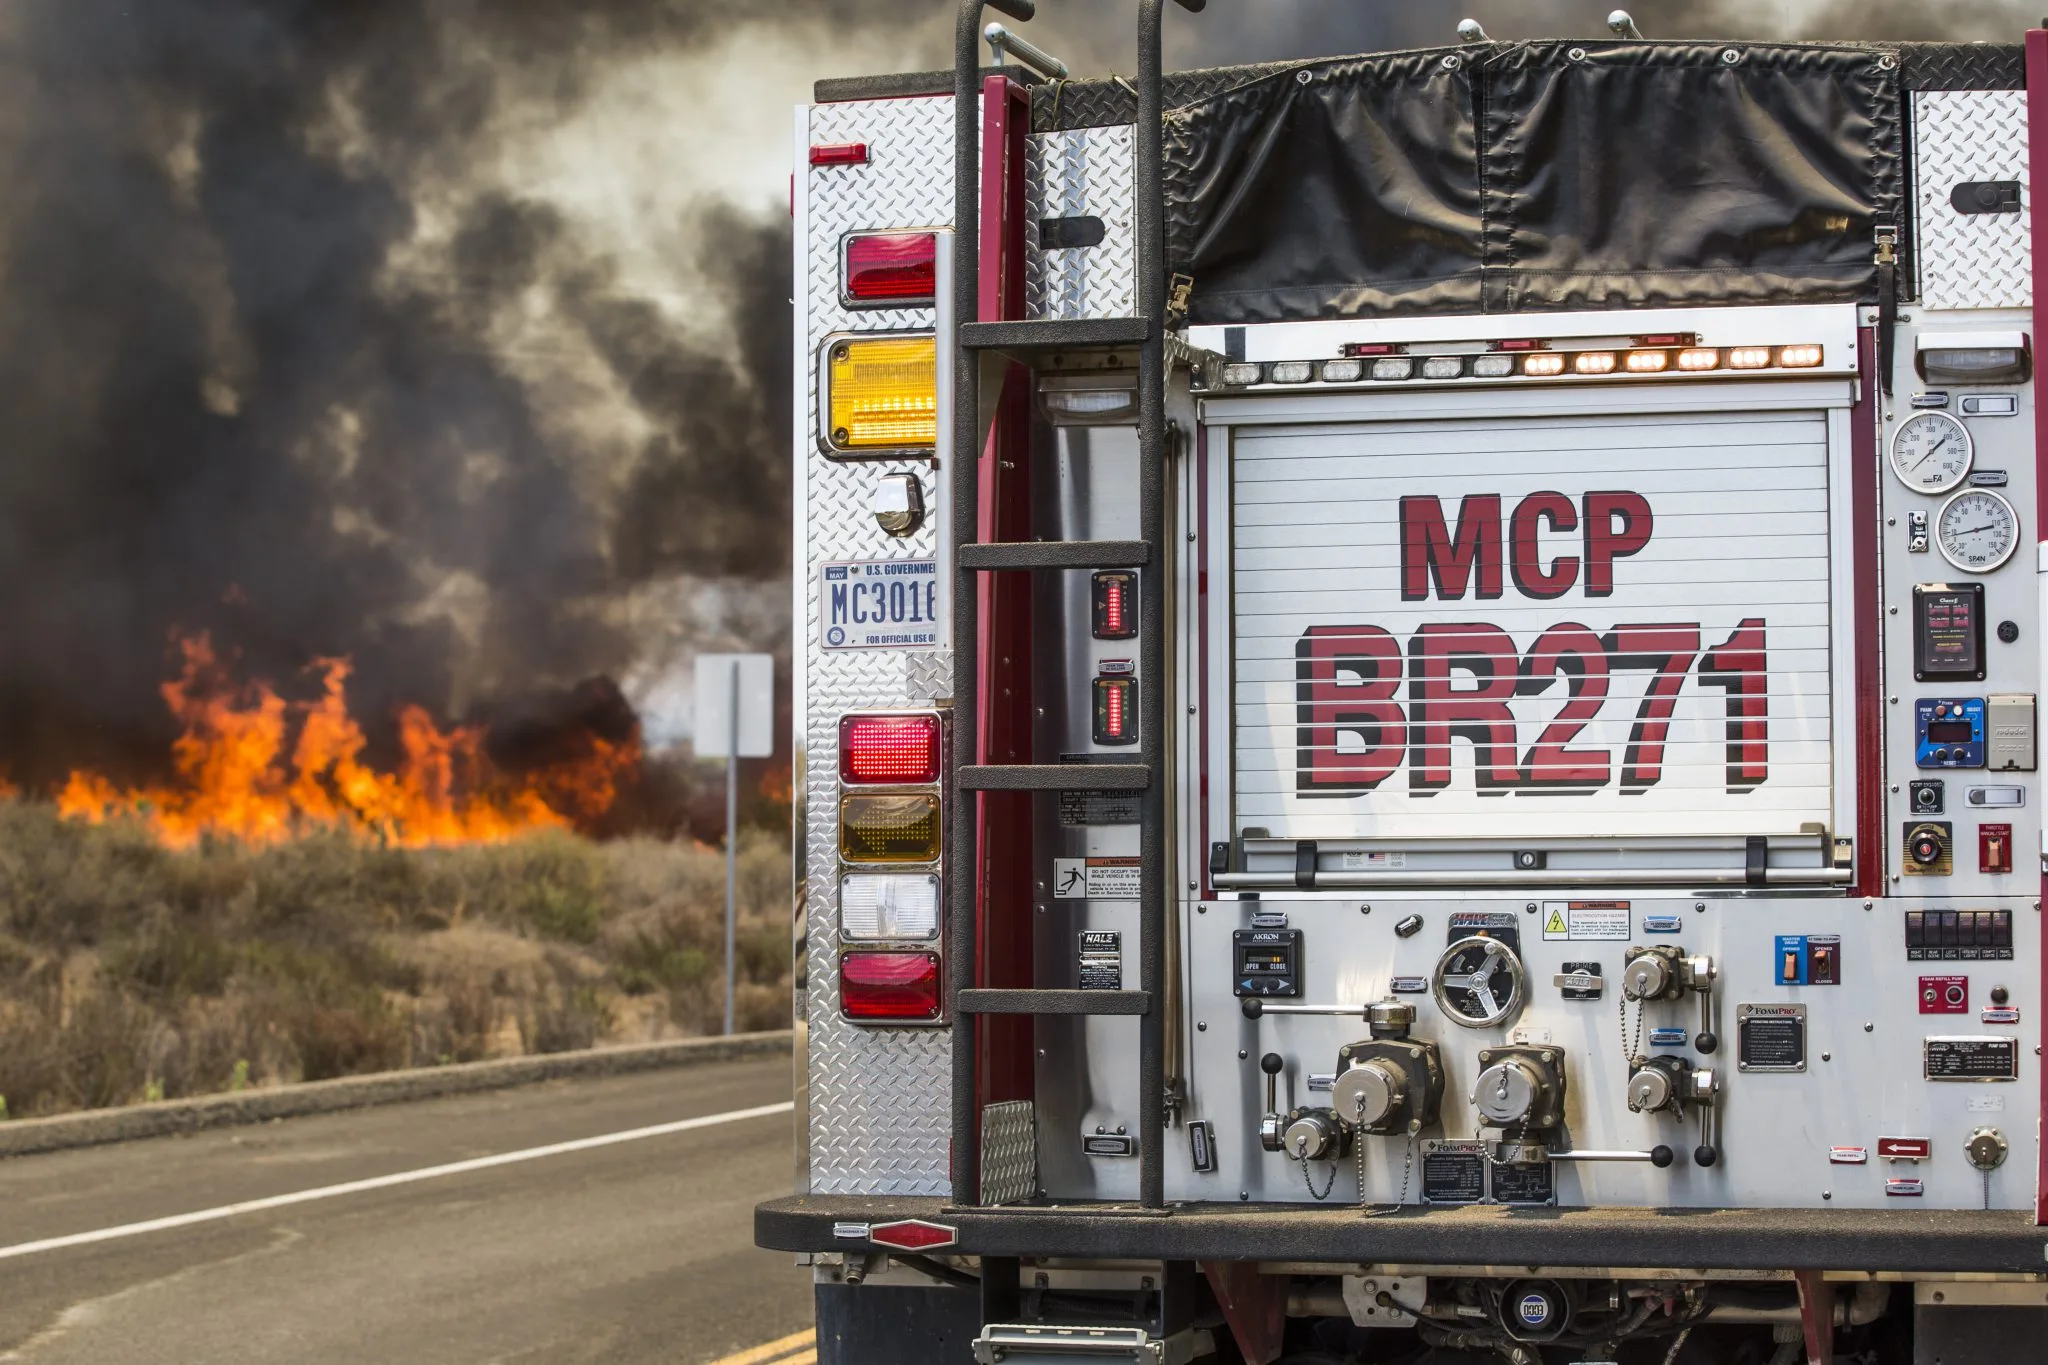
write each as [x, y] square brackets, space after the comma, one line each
[1949, 732]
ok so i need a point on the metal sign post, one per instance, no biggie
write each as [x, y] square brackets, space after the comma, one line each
[735, 720]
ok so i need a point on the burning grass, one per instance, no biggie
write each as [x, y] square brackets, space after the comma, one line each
[255, 767]
[135, 969]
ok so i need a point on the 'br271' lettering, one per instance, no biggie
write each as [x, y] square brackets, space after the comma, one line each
[1354, 732]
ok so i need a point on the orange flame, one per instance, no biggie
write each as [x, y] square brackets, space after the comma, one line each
[236, 780]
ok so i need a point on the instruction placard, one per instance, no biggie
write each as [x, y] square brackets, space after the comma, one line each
[1095, 879]
[1581, 921]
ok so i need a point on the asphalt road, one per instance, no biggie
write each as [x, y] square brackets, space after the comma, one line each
[639, 1251]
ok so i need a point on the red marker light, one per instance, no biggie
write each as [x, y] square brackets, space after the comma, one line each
[1520, 344]
[899, 986]
[913, 1235]
[840, 154]
[899, 749]
[896, 268]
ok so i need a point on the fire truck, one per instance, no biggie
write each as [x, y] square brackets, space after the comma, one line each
[1416, 704]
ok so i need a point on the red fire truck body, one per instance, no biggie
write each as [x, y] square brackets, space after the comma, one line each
[1416, 698]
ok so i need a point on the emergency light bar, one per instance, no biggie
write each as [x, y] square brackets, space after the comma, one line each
[1392, 364]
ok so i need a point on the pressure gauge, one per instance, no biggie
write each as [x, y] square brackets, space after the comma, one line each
[1931, 452]
[1977, 530]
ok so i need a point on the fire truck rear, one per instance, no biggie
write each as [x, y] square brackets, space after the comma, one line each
[1416, 699]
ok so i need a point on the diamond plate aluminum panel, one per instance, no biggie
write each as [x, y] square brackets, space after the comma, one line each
[1962, 66]
[1087, 172]
[1970, 260]
[1009, 1152]
[879, 1097]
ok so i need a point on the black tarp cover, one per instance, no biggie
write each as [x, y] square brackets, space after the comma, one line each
[1536, 176]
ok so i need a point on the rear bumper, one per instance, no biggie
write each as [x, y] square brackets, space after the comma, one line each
[1875, 1240]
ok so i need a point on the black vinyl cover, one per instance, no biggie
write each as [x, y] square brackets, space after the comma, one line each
[1537, 176]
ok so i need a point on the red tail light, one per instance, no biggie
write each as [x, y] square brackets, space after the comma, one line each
[892, 749]
[901, 986]
[896, 269]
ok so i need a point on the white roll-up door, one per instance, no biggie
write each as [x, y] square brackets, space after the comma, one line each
[1544, 627]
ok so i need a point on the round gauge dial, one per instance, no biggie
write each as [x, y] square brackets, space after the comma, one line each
[1977, 530]
[1931, 452]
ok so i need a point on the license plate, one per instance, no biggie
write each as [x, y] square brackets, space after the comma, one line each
[880, 604]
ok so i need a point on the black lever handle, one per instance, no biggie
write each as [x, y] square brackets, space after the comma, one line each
[1020, 10]
[1194, 6]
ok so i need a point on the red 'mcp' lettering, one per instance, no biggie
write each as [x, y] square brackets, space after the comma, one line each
[1615, 526]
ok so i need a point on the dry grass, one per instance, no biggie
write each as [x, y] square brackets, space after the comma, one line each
[131, 972]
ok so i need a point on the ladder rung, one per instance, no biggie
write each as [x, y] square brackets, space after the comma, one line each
[1053, 1002]
[1057, 554]
[1053, 334]
[1056, 777]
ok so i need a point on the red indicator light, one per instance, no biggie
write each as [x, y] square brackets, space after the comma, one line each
[1370, 348]
[1116, 701]
[840, 154]
[895, 749]
[893, 268]
[889, 985]
[1116, 605]
[1520, 344]
[913, 1235]
[1667, 339]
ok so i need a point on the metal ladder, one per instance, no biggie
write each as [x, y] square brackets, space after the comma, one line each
[1026, 341]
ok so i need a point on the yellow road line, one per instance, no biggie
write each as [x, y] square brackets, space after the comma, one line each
[776, 1351]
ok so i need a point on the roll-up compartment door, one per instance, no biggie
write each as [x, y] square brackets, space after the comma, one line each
[1561, 626]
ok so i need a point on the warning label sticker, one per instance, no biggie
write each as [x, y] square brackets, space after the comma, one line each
[1373, 862]
[1586, 920]
[1095, 879]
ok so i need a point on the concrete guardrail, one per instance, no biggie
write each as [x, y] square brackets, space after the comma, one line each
[25, 1136]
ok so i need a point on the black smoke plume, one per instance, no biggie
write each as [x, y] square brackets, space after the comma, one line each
[278, 361]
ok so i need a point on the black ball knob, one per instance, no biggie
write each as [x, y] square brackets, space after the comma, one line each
[1706, 1040]
[1706, 1154]
[1272, 1064]
[1661, 1156]
[1251, 1006]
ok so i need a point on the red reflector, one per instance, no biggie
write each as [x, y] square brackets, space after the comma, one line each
[840, 154]
[900, 267]
[1668, 339]
[889, 985]
[913, 1235]
[1356, 349]
[889, 748]
[1520, 344]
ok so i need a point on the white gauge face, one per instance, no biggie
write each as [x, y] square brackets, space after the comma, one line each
[1978, 530]
[1931, 452]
